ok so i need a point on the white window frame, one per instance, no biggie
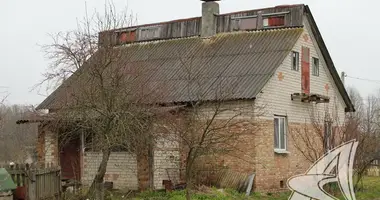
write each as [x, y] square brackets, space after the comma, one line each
[315, 72]
[297, 60]
[285, 128]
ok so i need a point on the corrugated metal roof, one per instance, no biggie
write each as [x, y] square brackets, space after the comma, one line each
[229, 65]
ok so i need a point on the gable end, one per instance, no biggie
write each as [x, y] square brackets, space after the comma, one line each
[329, 62]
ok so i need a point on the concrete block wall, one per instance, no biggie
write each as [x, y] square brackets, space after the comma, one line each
[166, 162]
[121, 169]
[50, 146]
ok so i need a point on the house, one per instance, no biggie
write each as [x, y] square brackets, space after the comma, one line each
[275, 56]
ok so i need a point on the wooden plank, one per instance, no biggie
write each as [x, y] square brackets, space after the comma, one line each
[18, 181]
[31, 185]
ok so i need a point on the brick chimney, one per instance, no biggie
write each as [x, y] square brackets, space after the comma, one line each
[210, 11]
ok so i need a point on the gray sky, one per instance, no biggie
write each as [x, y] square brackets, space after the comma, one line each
[350, 28]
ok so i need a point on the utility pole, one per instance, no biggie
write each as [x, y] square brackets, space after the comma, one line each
[342, 77]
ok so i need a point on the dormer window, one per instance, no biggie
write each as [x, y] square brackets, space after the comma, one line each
[273, 21]
[244, 23]
[126, 36]
[248, 24]
[149, 33]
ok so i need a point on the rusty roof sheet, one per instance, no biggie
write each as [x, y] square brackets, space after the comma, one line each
[229, 65]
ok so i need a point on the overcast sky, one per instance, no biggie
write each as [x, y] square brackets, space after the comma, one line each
[350, 28]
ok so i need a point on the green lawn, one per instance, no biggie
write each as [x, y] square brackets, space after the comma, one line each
[371, 191]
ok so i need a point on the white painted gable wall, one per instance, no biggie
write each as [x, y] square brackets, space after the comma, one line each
[276, 95]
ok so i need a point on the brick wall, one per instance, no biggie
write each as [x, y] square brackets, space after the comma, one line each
[51, 147]
[166, 162]
[254, 153]
[257, 155]
[121, 169]
[40, 145]
[47, 146]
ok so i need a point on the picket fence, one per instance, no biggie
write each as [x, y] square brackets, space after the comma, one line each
[35, 182]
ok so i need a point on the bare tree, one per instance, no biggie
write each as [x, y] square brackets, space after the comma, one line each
[321, 132]
[16, 140]
[208, 131]
[325, 132]
[101, 98]
[363, 125]
[213, 125]
[70, 50]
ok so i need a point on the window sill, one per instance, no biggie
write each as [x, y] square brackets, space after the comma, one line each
[281, 151]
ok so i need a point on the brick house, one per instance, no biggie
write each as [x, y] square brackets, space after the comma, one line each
[276, 56]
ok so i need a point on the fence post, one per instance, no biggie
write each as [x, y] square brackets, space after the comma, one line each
[31, 184]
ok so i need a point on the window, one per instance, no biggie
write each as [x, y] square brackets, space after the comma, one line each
[280, 133]
[127, 36]
[273, 21]
[315, 70]
[295, 60]
[248, 23]
[149, 33]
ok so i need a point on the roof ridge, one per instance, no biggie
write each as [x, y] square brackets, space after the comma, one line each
[199, 17]
[156, 41]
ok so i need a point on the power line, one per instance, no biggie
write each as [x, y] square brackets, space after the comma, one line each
[363, 79]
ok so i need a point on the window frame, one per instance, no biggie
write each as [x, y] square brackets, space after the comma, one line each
[273, 16]
[313, 71]
[297, 62]
[278, 147]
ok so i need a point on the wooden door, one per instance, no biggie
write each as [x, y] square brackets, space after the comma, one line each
[70, 160]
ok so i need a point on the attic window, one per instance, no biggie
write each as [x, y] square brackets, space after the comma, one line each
[248, 24]
[148, 33]
[126, 36]
[244, 23]
[315, 69]
[273, 21]
[295, 61]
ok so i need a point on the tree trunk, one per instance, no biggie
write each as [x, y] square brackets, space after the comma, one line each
[189, 166]
[97, 184]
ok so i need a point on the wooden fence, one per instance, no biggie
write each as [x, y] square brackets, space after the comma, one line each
[373, 170]
[35, 182]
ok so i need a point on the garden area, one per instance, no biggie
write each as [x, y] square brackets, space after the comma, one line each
[370, 191]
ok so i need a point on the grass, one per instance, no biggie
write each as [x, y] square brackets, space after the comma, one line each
[212, 194]
[371, 191]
